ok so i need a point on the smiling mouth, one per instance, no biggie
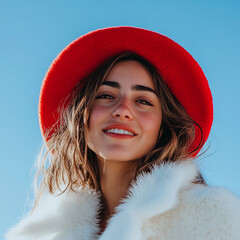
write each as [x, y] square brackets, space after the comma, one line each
[119, 131]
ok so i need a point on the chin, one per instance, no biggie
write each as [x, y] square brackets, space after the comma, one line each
[120, 156]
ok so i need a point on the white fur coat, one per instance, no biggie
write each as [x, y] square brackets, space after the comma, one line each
[163, 204]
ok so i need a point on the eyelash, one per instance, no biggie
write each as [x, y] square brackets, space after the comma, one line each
[146, 102]
[108, 96]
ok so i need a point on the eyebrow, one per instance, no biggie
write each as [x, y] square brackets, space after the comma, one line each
[135, 87]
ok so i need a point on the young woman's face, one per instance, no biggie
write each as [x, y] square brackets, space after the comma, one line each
[126, 116]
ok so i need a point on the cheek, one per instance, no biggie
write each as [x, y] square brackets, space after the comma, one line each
[96, 115]
[151, 123]
[93, 122]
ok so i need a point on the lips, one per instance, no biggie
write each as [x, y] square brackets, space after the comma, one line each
[120, 126]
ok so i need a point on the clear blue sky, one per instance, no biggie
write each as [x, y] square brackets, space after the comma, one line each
[32, 33]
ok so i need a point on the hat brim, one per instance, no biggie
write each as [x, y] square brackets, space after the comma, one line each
[180, 71]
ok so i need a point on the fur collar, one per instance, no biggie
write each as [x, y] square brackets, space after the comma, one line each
[73, 216]
[151, 195]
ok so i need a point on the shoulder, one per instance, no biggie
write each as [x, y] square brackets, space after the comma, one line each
[215, 210]
[211, 196]
[202, 212]
[211, 202]
[55, 215]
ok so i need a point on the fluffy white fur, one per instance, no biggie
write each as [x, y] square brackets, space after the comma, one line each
[69, 216]
[163, 204]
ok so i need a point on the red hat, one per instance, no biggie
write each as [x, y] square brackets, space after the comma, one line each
[180, 71]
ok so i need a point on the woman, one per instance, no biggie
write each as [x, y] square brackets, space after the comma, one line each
[124, 113]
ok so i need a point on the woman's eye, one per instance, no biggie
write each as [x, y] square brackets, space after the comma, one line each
[105, 96]
[144, 102]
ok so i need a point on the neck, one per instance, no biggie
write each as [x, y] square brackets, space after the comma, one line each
[115, 178]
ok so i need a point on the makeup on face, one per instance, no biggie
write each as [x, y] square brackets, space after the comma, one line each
[126, 115]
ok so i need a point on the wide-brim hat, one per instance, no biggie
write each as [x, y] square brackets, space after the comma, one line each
[179, 70]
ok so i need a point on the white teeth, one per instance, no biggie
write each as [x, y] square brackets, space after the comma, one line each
[119, 131]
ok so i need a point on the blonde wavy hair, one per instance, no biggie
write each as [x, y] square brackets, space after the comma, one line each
[72, 164]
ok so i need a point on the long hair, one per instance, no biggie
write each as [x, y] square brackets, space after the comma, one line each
[72, 164]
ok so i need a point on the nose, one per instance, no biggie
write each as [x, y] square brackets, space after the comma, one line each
[123, 111]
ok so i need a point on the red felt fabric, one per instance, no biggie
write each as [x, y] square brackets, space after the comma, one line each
[180, 71]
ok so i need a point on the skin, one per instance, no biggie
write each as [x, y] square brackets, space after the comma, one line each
[118, 101]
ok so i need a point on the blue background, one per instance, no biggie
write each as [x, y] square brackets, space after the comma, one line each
[32, 33]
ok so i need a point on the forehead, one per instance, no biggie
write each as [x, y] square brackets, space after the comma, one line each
[130, 72]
